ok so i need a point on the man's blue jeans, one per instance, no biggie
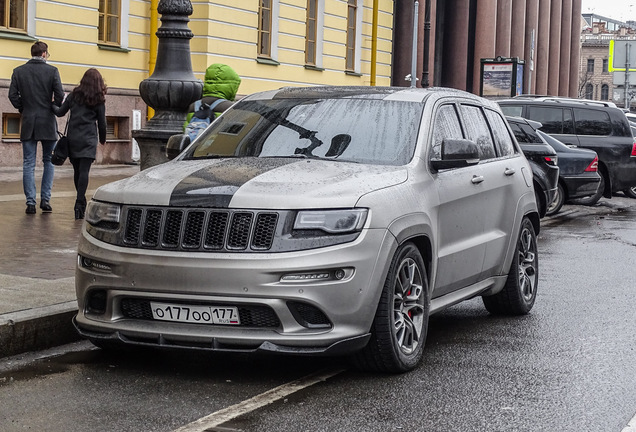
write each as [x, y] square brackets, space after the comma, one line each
[29, 153]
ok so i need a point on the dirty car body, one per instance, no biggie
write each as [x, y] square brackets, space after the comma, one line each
[316, 221]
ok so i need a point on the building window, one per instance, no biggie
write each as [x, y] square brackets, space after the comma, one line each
[590, 65]
[352, 14]
[311, 32]
[13, 14]
[11, 125]
[265, 28]
[604, 92]
[109, 18]
[589, 91]
[605, 65]
[112, 128]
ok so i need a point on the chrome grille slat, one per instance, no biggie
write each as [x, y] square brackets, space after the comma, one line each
[198, 229]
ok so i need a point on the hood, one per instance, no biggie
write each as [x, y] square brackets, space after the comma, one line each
[221, 81]
[253, 183]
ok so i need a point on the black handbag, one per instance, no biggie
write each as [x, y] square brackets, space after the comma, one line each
[60, 152]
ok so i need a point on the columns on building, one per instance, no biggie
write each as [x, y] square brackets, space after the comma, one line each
[518, 33]
[543, 47]
[554, 60]
[485, 38]
[575, 49]
[504, 23]
[455, 59]
[566, 41]
[530, 51]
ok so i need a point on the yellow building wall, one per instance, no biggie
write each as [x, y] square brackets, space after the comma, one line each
[225, 31]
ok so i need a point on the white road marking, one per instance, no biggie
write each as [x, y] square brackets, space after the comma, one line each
[631, 426]
[256, 402]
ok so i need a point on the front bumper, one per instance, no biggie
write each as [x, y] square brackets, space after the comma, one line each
[237, 280]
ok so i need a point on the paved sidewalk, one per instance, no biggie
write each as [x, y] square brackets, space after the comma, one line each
[37, 259]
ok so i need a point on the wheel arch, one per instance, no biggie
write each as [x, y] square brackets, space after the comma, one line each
[417, 229]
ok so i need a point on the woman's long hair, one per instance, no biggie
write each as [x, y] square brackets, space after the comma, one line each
[91, 90]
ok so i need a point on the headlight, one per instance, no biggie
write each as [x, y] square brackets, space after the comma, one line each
[331, 221]
[98, 212]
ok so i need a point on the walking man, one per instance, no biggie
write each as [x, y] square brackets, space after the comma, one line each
[34, 85]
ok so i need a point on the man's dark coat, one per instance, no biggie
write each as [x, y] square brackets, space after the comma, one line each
[33, 86]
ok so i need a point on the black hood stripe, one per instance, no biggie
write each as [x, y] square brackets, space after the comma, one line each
[215, 185]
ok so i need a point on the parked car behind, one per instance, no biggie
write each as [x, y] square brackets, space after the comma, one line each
[596, 125]
[543, 160]
[316, 221]
[578, 173]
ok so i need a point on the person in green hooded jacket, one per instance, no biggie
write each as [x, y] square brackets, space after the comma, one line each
[221, 82]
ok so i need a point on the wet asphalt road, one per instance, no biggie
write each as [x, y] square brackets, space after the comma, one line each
[570, 365]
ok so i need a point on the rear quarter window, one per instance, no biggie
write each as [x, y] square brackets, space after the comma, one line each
[592, 122]
[512, 110]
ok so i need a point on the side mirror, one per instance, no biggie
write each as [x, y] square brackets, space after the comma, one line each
[176, 144]
[457, 153]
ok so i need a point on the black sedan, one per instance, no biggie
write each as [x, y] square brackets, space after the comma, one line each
[543, 160]
[578, 173]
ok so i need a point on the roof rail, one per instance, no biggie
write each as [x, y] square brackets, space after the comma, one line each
[575, 100]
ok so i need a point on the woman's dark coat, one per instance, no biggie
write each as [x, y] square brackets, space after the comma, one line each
[86, 125]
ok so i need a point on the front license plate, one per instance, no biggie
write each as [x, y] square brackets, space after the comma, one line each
[195, 314]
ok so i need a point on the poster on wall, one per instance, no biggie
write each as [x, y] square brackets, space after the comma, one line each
[501, 77]
[497, 80]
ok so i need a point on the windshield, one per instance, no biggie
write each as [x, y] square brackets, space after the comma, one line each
[366, 131]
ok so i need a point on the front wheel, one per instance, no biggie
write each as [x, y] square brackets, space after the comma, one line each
[400, 325]
[520, 291]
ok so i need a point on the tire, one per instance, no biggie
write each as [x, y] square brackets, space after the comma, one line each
[520, 291]
[399, 329]
[591, 200]
[630, 192]
[557, 202]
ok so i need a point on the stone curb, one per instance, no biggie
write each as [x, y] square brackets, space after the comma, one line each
[37, 328]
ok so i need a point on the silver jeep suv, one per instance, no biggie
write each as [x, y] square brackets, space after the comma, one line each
[326, 221]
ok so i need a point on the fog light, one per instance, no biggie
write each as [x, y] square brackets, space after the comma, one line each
[339, 274]
[95, 265]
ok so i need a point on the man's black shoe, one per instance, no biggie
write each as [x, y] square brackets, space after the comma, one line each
[30, 209]
[45, 206]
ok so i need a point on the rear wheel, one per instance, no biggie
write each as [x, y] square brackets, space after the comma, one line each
[400, 325]
[520, 291]
[630, 192]
[557, 202]
[591, 200]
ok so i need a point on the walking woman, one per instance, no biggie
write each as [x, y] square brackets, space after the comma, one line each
[86, 125]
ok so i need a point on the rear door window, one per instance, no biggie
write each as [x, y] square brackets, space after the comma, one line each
[554, 120]
[503, 140]
[477, 130]
[592, 122]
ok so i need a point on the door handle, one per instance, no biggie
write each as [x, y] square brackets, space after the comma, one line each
[477, 179]
[509, 171]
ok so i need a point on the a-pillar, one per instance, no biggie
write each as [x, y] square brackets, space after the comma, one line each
[530, 51]
[485, 38]
[554, 62]
[455, 57]
[543, 47]
[566, 46]
[504, 21]
[575, 49]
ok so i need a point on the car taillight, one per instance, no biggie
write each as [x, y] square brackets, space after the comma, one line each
[550, 160]
[634, 148]
[592, 167]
